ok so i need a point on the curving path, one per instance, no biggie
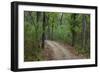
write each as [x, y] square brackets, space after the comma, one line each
[59, 52]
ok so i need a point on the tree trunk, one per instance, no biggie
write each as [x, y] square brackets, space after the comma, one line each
[48, 29]
[73, 24]
[73, 38]
[61, 18]
[83, 30]
[43, 32]
[52, 32]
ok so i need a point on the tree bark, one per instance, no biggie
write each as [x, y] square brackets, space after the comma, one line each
[43, 28]
[61, 19]
[73, 24]
[83, 30]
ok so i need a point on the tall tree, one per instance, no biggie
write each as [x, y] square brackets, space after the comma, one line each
[73, 25]
[83, 30]
[61, 18]
[43, 30]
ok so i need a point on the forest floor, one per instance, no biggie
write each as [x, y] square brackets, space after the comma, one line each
[58, 51]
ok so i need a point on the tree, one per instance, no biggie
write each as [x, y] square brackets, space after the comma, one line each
[83, 30]
[43, 30]
[61, 18]
[73, 23]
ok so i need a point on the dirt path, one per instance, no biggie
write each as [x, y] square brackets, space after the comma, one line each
[59, 51]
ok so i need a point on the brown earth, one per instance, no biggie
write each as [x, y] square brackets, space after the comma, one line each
[58, 51]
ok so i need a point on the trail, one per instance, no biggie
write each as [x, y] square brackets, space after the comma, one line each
[59, 51]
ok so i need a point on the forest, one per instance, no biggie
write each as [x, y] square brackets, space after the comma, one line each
[56, 36]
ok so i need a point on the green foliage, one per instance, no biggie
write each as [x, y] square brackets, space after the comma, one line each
[63, 27]
[33, 54]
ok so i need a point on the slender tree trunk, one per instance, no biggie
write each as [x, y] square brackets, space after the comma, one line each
[36, 29]
[61, 18]
[52, 32]
[43, 28]
[73, 38]
[73, 17]
[48, 29]
[83, 30]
